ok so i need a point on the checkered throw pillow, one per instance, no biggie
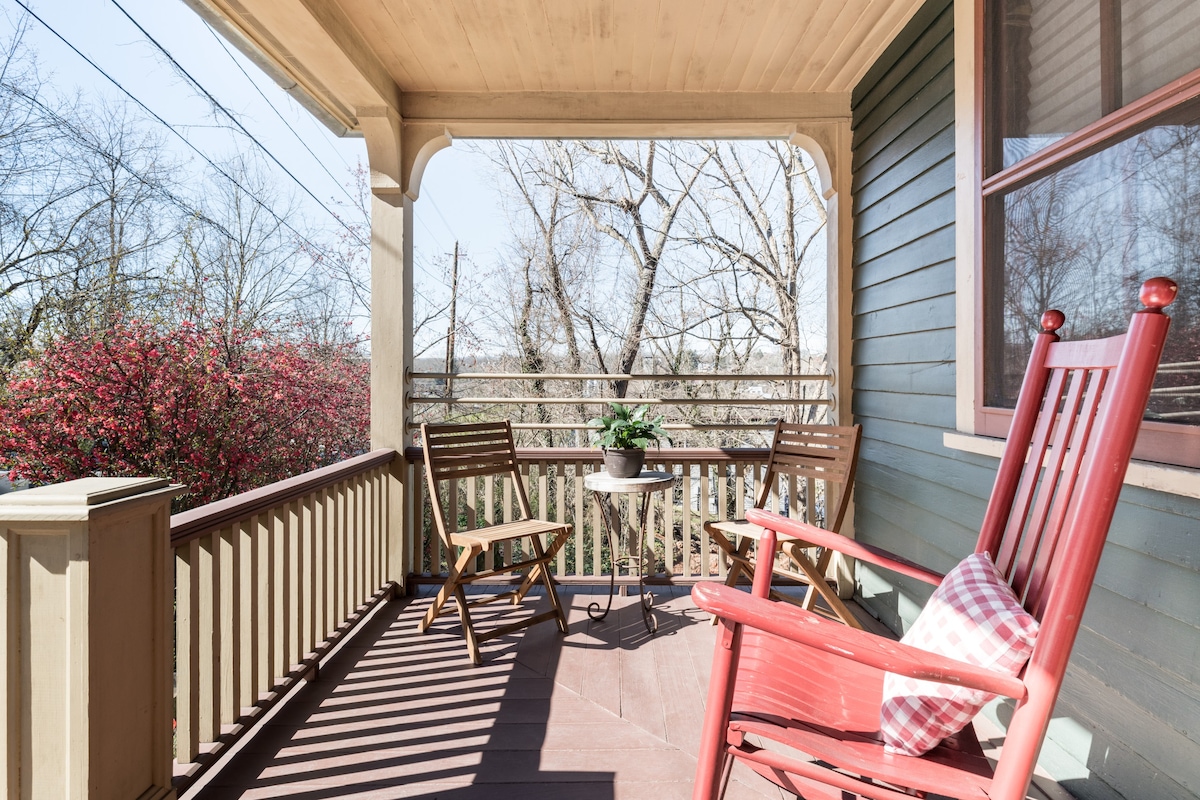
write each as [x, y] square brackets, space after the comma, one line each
[973, 617]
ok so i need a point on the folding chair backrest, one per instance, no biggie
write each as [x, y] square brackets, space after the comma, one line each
[454, 452]
[826, 453]
[1072, 434]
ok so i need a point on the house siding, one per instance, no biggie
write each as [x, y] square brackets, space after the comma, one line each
[1128, 723]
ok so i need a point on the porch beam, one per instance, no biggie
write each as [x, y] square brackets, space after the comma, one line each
[641, 115]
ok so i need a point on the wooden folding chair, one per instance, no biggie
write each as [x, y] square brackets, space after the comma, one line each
[817, 457]
[458, 452]
[798, 698]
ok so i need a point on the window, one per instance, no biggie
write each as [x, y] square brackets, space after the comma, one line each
[1091, 163]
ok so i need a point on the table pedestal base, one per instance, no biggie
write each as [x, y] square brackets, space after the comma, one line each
[645, 598]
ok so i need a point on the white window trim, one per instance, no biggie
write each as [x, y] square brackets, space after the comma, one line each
[1181, 481]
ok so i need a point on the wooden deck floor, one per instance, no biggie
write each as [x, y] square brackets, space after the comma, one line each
[604, 713]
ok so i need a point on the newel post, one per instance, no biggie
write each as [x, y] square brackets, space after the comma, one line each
[86, 587]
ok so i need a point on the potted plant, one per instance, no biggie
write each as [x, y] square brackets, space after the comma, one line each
[625, 436]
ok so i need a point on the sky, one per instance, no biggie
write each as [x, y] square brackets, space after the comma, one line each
[456, 202]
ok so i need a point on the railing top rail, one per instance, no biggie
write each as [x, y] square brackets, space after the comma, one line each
[603, 376]
[189, 525]
[633, 401]
[715, 455]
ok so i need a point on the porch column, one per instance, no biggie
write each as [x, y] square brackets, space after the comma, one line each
[841, 311]
[391, 321]
[85, 639]
[829, 143]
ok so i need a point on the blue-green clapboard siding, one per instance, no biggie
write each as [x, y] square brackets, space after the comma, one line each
[1129, 717]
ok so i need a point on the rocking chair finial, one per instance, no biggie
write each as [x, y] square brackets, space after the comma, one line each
[1053, 320]
[1158, 293]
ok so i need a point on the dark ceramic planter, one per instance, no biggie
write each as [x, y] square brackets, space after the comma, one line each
[624, 463]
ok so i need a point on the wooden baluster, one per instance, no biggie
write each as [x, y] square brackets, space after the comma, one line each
[454, 487]
[579, 520]
[243, 604]
[687, 519]
[704, 502]
[311, 574]
[598, 538]
[329, 576]
[207, 647]
[368, 538]
[275, 569]
[669, 530]
[471, 500]
[187, 636]
[560, 506]
[294, 570]
[261, 567]
[722, 509]
[508, 510]
[225, 709]
[360, 542]
[543, 495]
[489, 515]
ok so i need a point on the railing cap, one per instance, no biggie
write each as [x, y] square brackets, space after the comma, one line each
[87, 492]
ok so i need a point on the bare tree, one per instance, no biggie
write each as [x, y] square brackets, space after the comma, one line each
[637, 211]
[764, 223]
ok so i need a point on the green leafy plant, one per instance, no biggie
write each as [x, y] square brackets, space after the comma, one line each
[628, 429]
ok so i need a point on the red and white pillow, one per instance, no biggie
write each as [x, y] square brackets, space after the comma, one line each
[973, 616]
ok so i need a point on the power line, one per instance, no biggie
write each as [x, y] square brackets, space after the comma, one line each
[82, 137]
[169, 127]
[217, 104]
[217, 168]
[278, 113]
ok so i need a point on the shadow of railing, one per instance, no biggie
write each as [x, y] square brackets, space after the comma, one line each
[400, 714]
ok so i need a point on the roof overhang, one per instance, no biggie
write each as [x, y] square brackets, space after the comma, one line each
[567, 68]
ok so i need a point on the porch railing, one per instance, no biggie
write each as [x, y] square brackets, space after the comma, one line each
[712, 484]
[268, 581]
[265, 583]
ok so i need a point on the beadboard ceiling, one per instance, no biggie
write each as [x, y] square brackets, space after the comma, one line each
[342, 55]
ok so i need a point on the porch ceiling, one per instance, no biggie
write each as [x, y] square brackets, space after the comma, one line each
[509, 59]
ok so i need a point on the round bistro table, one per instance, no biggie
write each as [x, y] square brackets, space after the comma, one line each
[645, 484]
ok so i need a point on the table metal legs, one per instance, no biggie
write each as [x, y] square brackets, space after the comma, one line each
[645, 598]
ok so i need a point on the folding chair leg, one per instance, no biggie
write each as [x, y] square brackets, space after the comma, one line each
[818, 585]
[452, 586]
[548, 580]
[738, 567]
[464, 615]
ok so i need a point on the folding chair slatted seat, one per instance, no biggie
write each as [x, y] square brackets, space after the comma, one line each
[811, 454]
[817, 689]
[455, 453]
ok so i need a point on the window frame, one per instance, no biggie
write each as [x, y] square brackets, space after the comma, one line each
[1165, 443]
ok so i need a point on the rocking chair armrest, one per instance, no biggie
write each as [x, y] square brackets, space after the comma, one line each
[806, 628]
[794, 528]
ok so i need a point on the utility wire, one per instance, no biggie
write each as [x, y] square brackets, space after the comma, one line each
[263, 147]
[233, 118]
[219, 170]
[84, 139]
[221, 42]
[170, 127]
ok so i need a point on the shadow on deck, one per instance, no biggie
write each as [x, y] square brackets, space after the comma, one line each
[606, 712]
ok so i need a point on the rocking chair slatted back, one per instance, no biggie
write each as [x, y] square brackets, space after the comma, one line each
[1072, 434]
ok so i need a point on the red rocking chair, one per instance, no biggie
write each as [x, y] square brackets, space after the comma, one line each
[797, 697]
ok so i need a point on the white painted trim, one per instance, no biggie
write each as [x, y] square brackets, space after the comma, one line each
[1144, 474]
[966, 200]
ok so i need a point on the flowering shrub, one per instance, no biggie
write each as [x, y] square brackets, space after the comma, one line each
[219, 410]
